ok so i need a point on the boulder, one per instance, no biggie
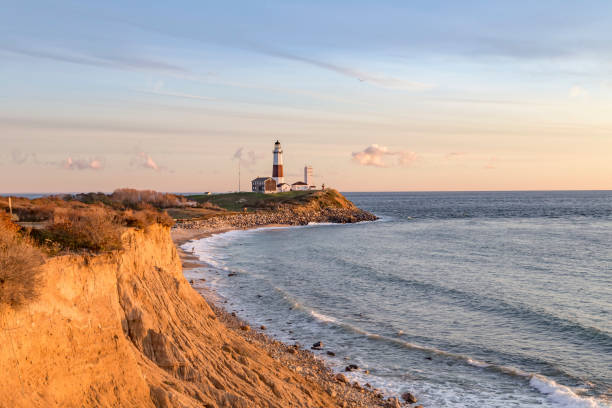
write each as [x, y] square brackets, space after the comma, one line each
[409, 398]
[341, 378]
[393, 402]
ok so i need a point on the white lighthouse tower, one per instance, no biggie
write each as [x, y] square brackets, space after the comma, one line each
[277, 168]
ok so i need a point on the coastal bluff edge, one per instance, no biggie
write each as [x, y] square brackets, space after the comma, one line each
[126, 329]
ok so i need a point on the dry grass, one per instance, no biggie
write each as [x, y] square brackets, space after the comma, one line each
[91, 228]
[20, 264]
[93, 221]
[143, 218]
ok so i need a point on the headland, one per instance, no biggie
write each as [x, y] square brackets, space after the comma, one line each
[117, 324]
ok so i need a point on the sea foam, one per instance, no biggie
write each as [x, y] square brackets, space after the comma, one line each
[563, 396]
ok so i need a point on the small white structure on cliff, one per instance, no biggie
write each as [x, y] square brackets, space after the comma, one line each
[283, 187]
[299, 186]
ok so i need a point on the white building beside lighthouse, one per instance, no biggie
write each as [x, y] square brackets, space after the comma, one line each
[277, 166]
[308, 177]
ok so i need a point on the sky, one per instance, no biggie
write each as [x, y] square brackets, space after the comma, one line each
[375, 95]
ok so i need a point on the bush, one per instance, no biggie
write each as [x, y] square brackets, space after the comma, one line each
[141, 199]
[144, 218]
[19, 266]
[91, 228]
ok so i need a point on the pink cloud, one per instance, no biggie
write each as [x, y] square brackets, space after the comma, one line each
[375, 155]
[82, 164]
[491, 163]
[148, 162]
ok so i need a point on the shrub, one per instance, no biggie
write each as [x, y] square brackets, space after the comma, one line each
[19, 266]
[143, 218]
[140, 199]
[91, 228]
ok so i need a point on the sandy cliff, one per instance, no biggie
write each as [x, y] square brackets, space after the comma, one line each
[126, 329]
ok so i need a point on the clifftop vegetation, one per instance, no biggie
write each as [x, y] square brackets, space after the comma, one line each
[90, 222]
[258, 201]
[94, 222]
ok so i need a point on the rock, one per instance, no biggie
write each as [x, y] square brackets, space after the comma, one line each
[341, 378]
[232, 274]
[292, 351]
[409, 398]
[317, 346]
[351, 367]
[245, 327]
[393, 402]
[262, 327]
[331, 353]
[233, 314]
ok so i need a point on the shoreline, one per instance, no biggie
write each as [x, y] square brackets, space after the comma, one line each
[299, 359]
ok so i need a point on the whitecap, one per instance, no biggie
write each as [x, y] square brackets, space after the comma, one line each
[563, 396]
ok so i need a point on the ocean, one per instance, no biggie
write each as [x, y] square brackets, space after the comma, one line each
[466, 299]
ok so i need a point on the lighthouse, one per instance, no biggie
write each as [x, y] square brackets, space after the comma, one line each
[277, 168]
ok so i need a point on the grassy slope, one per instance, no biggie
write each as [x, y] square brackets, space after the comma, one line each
[260, 201]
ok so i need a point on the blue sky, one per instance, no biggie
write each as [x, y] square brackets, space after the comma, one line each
[426, 95]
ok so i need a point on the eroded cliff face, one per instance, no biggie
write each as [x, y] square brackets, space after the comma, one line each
[127, 330]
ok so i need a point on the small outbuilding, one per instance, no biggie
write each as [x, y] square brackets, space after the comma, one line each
[283, 187]
[299, 186]
[263, 185]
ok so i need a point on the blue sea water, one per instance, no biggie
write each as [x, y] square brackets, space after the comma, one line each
[487, 299]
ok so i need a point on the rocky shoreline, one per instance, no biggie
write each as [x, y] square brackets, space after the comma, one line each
[299, 216]
[298, 359]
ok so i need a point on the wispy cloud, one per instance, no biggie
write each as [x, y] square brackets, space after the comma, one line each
[455, 155]
[70, 163]
[104, 61]
[578, 92]
[375, 155]
[246, 159]
[179, 95]
[380, 80]
[491, 163]
[19, 157]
